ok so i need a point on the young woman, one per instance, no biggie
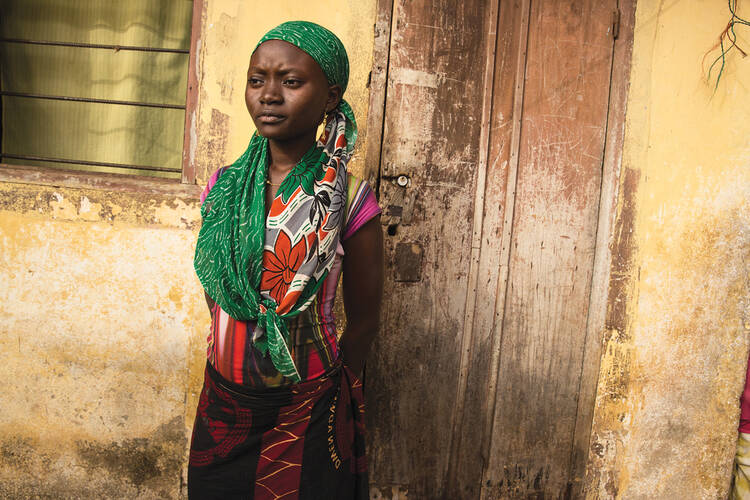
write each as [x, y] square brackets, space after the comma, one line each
[281, 411]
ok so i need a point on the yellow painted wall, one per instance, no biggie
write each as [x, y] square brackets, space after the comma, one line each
[100, 311]
[102, 320]
[674, 358]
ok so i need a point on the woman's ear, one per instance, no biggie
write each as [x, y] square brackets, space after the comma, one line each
[334, 97]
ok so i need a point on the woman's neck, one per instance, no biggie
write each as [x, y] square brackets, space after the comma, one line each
[284, 155]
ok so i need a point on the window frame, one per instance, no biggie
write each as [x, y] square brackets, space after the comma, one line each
[186, 184]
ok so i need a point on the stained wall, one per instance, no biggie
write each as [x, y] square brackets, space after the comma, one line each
[102, 320]
[678, 320]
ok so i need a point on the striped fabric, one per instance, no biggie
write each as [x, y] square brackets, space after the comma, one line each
[313, 340]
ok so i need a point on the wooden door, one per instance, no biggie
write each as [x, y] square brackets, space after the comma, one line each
[494, 118]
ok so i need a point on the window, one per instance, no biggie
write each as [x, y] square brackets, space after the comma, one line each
[95, 85]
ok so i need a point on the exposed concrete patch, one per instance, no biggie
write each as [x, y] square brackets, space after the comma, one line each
[140, 461]
[83, 205]
[691, 348]
[213, 147]
[389, 492]
[226, 28]
[143, 468]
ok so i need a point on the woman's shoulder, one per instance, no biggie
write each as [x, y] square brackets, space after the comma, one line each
[352, 179]
[212, 181]
[361, 204]
[357, 188]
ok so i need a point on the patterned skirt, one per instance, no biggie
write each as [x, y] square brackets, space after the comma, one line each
[300, 442]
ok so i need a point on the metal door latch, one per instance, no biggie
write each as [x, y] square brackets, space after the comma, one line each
[397, 200]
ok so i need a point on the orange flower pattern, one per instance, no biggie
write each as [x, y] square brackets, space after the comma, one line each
[281, 265]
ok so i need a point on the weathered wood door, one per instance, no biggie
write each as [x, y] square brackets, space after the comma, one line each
[491, 169]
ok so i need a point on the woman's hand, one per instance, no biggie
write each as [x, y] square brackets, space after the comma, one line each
[363, 291]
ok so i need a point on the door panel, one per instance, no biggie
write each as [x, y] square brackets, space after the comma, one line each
[552, 246]
[474, 429]
[430, 137]
[495, 117]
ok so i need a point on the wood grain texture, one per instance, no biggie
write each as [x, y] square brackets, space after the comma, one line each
[377, 84]
[552, 249]
[506, 90]
[596, 326]
[431, 133]
[479, 372]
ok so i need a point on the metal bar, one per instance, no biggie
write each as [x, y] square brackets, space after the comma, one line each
[116, 48]
[89, 163]
[89, 99]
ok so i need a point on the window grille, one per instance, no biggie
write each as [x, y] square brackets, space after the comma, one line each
[103, 91]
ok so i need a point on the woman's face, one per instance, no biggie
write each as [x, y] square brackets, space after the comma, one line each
[287, 92]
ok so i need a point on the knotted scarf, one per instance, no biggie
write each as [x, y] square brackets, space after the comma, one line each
[268, 269]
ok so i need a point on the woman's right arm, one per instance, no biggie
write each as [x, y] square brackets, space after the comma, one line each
[210, 302]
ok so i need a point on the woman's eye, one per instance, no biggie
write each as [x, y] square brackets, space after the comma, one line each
[292, 82]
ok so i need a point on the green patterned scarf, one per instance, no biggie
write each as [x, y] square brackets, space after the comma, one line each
[268, 269]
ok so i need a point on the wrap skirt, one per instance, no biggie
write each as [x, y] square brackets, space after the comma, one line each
[304, 442]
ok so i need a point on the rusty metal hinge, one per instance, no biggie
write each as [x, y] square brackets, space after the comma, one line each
[615, 24]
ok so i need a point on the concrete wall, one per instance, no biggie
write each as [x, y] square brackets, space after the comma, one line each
[678, 320]
[102, 320]
[100, 314]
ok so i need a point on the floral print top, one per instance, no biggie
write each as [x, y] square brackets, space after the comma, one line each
[313, 339]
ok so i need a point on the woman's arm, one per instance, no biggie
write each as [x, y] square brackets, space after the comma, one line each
[363, 290]
[209, 302]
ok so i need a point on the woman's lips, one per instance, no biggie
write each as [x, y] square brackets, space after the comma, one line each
[270, 118]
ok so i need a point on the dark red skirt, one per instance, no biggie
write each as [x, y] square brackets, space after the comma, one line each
[300, 442]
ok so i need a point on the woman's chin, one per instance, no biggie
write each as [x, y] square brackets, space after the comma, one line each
[280, 137]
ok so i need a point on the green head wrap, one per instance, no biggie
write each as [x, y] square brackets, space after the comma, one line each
[328, 51]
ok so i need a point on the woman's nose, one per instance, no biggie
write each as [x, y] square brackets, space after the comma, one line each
[270, 94]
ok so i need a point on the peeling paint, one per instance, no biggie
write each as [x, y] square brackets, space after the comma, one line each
[71, 204]
[675, 348]
[408, 76]
[389, 492]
